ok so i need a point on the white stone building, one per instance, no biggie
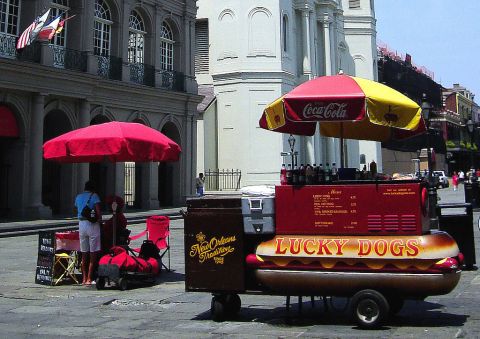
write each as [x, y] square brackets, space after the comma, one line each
[251, 52]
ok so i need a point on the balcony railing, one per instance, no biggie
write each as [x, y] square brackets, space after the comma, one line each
[69, 58]
[110, 67]
[31, 53]
[142, 74]
[172, 80]
[7, 46]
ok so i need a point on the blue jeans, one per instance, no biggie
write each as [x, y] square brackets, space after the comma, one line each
[199, 191]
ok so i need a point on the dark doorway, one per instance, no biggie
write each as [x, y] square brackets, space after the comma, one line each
[54, 175]
[169, 176]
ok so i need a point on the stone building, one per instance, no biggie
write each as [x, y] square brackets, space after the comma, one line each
[251, 52]
[115, 60]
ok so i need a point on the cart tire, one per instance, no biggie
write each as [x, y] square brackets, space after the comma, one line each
[233, 304]
[122, 284]
[395, 304]
[218, 308]
[369, 308]
[100, 283]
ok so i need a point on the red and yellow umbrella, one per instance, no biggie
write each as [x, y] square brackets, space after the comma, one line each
[346, 107]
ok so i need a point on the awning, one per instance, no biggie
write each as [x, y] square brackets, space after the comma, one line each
[8, 123]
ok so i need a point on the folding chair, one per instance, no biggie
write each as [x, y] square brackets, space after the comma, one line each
[158, 231]
[64, 266]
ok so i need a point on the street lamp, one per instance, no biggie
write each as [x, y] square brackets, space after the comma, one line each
[291, 142]
[471, 128]
[432, 189]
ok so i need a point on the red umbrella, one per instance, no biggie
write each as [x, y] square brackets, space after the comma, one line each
[113, 141]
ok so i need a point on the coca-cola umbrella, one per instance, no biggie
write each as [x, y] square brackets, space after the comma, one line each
[346, 107]
[112, 141]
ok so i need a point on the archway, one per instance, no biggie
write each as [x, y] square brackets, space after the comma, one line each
[169, 193]
[57, 180]
[102, 173]
[11, 164]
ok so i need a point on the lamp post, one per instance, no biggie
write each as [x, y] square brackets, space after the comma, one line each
[471, 129]
[291, 143]
[432, 189]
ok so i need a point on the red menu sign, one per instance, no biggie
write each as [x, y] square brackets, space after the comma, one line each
[350, 209]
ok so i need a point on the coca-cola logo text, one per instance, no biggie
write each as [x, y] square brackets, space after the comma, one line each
[331, 111]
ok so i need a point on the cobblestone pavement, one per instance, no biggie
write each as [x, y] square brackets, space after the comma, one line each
[164, 309]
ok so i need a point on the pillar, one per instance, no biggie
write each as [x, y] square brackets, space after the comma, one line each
[330, 144]
[83, 121]
[35, 207]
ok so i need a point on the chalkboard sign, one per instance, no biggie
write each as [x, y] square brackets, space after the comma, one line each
[46, 258]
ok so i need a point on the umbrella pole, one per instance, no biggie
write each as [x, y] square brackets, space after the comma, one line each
[341, 146]
[114, 206]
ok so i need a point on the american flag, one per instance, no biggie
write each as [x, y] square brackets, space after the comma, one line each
[24, 39]
[30, 34]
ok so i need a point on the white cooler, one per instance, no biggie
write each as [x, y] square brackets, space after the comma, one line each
[258, 215]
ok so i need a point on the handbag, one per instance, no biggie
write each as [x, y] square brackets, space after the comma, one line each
[89, 213]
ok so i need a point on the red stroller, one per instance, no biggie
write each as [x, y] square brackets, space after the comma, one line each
[123, 264]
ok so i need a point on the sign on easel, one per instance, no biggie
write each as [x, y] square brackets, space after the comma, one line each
[46, 258]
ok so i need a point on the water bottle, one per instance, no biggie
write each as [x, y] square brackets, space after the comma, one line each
[301, 175]
[321, 174]
[295, 175]
[334, 172]
[328, 173]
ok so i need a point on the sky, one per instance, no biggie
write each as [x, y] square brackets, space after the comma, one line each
[441, 35]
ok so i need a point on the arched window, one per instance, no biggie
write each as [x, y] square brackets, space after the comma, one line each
[102, 29]
[136, 38]
[9, 16]
[166, 47]
[285, 32]
[60, 7]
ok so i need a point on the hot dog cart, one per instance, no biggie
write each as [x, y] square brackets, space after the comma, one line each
[369, 240]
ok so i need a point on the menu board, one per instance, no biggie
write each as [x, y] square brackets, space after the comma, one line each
[46, 257]
[349, 209]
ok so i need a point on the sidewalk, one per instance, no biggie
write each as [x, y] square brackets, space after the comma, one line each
[17, 227]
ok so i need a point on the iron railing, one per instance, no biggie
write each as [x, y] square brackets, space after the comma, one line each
[129, 184]
[110, 67]
[31, 53]
[222, 179]
[172, 80]
[8, 46]
[69, 58]
[142, 74]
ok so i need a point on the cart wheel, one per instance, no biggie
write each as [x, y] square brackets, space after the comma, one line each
[396, 304]
[369, 308]
[122, 284]
[232, 304]
[100, 283]
[218, 308]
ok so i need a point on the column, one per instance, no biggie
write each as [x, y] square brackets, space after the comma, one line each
[156, 47]
[307, 67]
[127, 8]
[330, 145]
[35, 207]
[87, 41]
[83, 121]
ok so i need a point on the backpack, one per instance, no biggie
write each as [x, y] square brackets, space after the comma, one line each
[89, 213]
[149, 250]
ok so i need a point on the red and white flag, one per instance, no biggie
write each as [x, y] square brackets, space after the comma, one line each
[24, 39]
[48, 31]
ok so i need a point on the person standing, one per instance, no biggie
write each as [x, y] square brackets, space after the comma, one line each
[90, 242]
[455, 181]
[461, 176]
[199, 184]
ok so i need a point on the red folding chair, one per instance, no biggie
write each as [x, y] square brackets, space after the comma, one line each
[158, 231]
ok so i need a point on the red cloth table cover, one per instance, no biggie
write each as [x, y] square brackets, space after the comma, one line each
[67, 241]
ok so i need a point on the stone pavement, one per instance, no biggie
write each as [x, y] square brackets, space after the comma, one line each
[164, 309]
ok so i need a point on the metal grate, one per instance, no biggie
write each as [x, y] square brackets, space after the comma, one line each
[222, 179]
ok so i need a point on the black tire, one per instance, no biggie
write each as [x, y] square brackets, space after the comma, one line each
[233, 304]
[395, 304]
[122, 284]
[369, 309]
[218, 308]
[100, 283]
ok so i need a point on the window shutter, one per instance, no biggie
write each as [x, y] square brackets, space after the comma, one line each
[202, 44]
